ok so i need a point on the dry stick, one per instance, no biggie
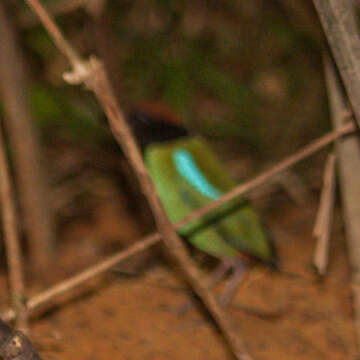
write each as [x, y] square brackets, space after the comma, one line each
[11, 237]
[321, 214]
[339, 23]
[28, 19]
[96, 80]
[143, 244]
[99, 84]
[322, 229]
[286, 163]
[25, 146]
[348, 152]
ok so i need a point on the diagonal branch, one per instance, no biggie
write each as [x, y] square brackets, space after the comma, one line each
[36, 301]
[27, 19]
[94, 76]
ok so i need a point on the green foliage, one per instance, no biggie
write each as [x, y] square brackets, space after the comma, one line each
[204, 59]
[53, 108]
[176, 77]
[39, 41]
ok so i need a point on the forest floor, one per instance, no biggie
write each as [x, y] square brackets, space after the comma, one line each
[290, 314]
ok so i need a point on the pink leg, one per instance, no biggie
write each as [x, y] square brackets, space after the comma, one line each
[240, 269]
[219, 272]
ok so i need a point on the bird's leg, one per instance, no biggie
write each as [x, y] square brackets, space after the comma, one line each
[214, 278]
[219, 272]
[239, 270]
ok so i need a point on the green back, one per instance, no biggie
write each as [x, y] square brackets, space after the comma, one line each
[233, 227]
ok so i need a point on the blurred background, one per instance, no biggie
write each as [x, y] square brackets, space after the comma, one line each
[246, 75]
[247, 72]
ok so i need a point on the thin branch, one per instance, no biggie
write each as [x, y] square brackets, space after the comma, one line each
[339, 23]
[348, 153]
[143, 244]
[14, 345]
[11, 237]
[323, 222]
[321, 214]
[286, 163]
[28, 19]
[98, 83]
[25, 147]
[93, 75]
[57, 36]
[36, 301]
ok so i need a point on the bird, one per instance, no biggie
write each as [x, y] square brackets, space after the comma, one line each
[188, 175]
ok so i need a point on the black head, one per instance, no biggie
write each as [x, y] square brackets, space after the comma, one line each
[149, 129]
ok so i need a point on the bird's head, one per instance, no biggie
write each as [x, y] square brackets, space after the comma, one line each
[155, 123]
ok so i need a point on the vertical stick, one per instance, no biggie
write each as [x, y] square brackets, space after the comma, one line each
[341, 29]
[25, 147]
[322, 229]
[13, 252]
[348, 152]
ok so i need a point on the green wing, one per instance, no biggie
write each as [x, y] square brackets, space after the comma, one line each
[237, 226]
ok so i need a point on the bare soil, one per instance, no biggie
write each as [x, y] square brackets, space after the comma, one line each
[290, 314]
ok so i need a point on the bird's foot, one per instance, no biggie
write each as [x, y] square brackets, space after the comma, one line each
[238, 268]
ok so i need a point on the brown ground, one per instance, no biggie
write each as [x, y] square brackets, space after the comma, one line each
[286, 315]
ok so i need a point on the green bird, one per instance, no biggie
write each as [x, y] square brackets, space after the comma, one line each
[188, 175]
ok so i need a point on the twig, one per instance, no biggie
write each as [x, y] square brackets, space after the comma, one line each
[143, 244]
[93, 75]
[348, 152]
[98, 83]
[36, 301]
[321, 214]
[27, 19]
[13, 253]
[58, 38]
[339, 23]
[25, 146]
[323, 224]
[266, 175]
[14, 345]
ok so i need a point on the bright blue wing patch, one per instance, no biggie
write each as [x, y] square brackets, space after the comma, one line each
[187, 167]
